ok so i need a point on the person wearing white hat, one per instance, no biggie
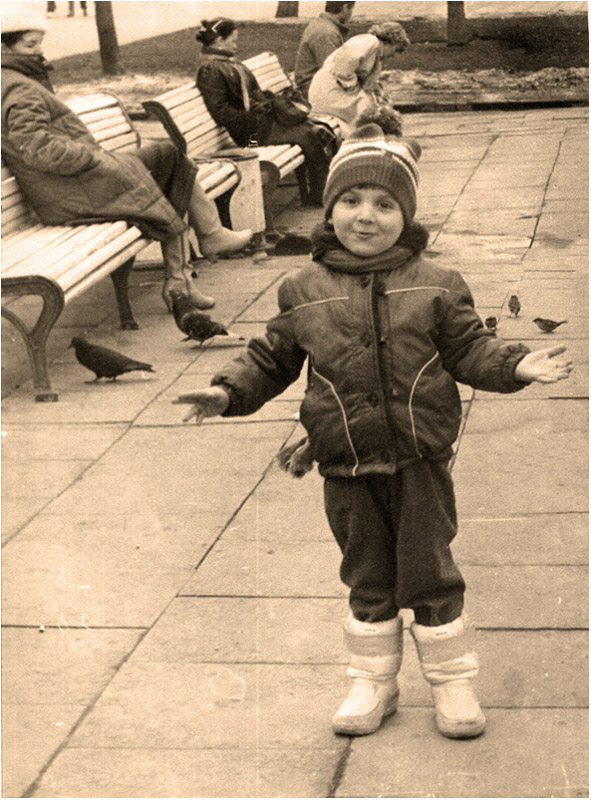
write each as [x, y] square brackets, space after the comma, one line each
[68, 178]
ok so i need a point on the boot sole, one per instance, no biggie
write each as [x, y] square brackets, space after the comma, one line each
[356, 728]
[466, 731]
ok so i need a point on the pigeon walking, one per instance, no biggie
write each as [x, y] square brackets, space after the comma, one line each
[491, 323]
[547, 325]
[195, 324]
[103, 362]
[514, 305]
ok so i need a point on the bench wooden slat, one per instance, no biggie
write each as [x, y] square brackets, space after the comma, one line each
[42, 240]
[80, 271]
[102, 117]
[115, 261]
[21, 246]
[64, 252]
[91, 103]
[121, 142]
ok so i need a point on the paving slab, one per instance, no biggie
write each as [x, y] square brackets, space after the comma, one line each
[256, 568]
[156, 540]
[552, 539]
[61, 666]
[239, 772]
[528, 459]
[149, 470]
[29, 739]
[495, 198]
[247, 629]
[16, 512]
[43, 586]
[407, 758]
[29, 443]
[541, 597]
[211, 706]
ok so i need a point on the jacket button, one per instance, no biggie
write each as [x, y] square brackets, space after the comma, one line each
[394, 392]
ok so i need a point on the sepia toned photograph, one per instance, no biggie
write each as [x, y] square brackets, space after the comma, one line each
[295, 382]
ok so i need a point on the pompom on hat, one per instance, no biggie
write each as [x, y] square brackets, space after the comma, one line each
[20, 16]
[369, 157]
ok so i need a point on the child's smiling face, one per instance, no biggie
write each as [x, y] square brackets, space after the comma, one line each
[367, 220]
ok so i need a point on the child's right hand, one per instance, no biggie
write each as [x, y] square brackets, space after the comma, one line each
[206, 403]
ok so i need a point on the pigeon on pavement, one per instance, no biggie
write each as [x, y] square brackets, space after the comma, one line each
[105, 363]
[547, 325]
[195, 324]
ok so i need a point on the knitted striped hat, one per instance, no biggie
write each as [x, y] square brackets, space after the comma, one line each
[369, 157]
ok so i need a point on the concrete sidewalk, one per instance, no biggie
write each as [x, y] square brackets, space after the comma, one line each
[171, 601]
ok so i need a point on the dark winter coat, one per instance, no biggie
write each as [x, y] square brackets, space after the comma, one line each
[385, 340]
[65, 175]
[322, 36]
[227, 87]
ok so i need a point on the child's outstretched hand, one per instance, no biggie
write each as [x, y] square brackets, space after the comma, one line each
[206, 403]
[543, 366]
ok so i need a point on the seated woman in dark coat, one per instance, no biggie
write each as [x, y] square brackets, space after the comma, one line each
[68, 178]
[236, 101]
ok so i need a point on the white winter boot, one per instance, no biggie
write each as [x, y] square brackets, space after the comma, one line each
[448, 666]
[376, 657]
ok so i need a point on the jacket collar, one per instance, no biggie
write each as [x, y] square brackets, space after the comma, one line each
[343, 30]
[216, 54]
[34, 67]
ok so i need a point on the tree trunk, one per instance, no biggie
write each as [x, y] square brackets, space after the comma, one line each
[107, 36]
[458, 29]
[287, 8]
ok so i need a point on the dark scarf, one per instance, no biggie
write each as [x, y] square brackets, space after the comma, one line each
[328, 250]
[34, 67]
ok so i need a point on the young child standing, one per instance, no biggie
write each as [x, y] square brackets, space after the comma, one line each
[386, 334]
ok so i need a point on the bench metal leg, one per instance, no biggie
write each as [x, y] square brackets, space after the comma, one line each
[36, 338]
[302, 177]
[120, 278]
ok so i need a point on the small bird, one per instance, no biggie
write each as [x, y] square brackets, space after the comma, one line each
[548, 325]
[195, 324]
[103, 362]
[491, 323]
[514, 305]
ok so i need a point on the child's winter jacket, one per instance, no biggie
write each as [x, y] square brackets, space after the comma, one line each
[386, 340]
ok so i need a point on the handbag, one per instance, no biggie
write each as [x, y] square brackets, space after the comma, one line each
[289, 108]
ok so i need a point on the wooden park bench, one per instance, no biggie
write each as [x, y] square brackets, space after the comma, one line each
[184, 116]
[59, 262]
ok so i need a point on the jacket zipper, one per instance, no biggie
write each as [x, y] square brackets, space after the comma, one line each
[383, 373]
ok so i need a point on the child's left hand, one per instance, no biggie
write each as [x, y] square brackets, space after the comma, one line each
[543, 366]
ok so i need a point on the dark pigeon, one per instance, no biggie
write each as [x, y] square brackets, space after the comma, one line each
[103, 362]
[195, 324]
